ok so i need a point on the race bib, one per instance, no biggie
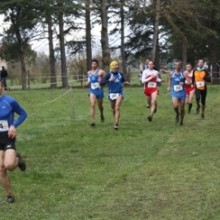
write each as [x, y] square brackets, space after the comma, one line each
[95, 85]
[152, 85]
[3, 125]
[200, 84]
[113, 96]
[177, 88]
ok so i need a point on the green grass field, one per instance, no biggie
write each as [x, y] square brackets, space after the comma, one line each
[155, 171]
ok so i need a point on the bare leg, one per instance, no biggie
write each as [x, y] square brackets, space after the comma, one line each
[92, 108]
[116, 110]
[175, 103]
[101, 109]
[182, 111]
[190, 100]
[8, 161]
[153, 101]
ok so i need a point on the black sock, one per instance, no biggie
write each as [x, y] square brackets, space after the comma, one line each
[189, 107]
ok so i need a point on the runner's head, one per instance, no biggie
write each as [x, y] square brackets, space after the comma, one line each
[114, 66]
[189, 67]
[200, 63]
[178, 65]
[94, 63]
[150, 64]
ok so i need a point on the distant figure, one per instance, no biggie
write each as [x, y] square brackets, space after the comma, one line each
[3, 77]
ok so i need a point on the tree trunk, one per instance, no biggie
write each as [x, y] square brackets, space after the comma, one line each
[22, 60]
[213, 63]
[104, 35]
[62, 51]
[184, 52]
[88, 36]
[23, 70]
[156, 31]
[53, 80]
[123, 58]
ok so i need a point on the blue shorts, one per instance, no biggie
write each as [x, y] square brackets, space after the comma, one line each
[99, 93]
[179, 95]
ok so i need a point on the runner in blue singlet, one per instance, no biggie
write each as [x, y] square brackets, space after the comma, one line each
[96, 92]
[9, 159]
[115, 81]
[176, 87]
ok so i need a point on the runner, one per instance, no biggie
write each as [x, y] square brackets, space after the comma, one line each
[149, 79]
[115, 81]
[96, 92]
[9, 159]
[189, 87]
[199, 79]
[176, 86]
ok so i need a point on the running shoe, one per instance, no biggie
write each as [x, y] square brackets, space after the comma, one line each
[202, 116]
[10, 199]
[149, 118]
[102, 118]
[21, 162]
[116, 126]
[92, 124]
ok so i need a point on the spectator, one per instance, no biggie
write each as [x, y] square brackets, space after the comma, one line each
[3, 76]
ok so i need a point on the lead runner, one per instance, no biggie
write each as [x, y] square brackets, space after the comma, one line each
[115, 80]
[9, 159]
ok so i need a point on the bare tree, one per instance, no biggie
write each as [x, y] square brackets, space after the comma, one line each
[104, 34]
[53, 81]
[88, 34]
[156, 33]
[62, 46]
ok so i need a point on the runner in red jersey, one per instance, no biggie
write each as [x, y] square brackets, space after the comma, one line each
[189, 87]
[150, 79]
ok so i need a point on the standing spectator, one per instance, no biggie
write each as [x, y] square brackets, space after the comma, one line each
[3, 76]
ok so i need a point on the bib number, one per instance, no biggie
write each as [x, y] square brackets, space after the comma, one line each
[113, 96]
[95, 85]
[152, 85]
[178, 88]
[200, 84]
[3, 125]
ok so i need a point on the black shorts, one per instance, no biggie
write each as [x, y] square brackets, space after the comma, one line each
[201, 94]
[6, 142]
